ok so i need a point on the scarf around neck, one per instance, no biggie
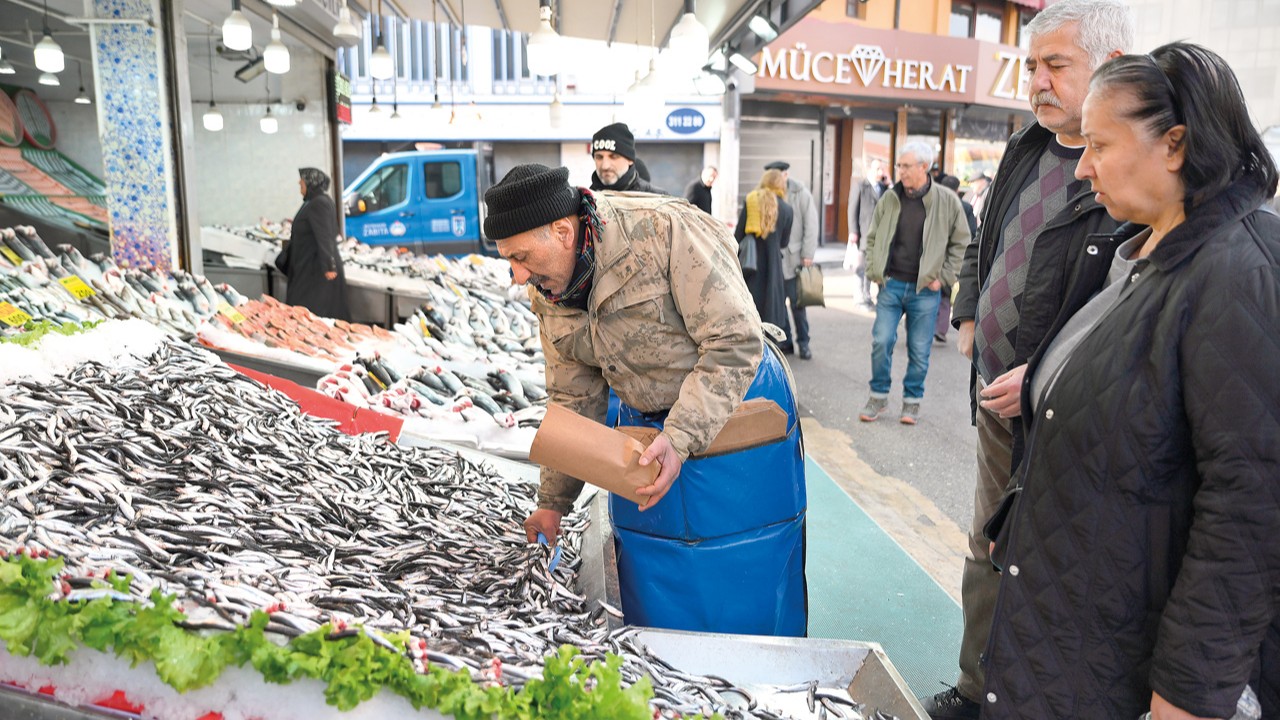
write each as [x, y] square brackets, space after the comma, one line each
[590, 226]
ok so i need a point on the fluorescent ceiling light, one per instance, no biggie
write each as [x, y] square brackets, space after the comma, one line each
[763, 28]
[742, 62]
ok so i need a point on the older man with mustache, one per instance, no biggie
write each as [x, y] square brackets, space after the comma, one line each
[1035, 223]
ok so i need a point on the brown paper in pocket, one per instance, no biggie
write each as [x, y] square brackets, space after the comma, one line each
[593, 453]
[755, 422]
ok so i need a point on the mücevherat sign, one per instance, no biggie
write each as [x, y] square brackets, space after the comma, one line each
[849, 59]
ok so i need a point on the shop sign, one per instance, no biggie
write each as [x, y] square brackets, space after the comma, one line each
[685, 121]
[869, 64]
[342, 98]
[836, 58]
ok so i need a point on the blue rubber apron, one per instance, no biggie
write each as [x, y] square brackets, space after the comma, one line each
[724, 549]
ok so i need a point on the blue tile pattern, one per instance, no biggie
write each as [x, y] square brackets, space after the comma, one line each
[135, 133]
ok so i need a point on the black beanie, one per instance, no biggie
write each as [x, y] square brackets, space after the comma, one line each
[615, 138]
[529, 197]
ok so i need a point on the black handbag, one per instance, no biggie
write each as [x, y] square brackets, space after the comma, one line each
[748, 255]
[282, 260]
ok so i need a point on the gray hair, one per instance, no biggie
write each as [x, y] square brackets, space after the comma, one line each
[922, 150]
[1102, 26]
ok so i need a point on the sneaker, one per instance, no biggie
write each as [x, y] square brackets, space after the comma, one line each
[939, 337]
[872, 411]
[910, 411]
[951, 705]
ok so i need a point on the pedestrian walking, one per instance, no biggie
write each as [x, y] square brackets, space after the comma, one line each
[765, 219]
[613, 148]
[914, 247]
[699, 191]
[940, 328]
[798, 253]
[862, 206]
[1014, 282]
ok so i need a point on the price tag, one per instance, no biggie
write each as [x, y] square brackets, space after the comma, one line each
[230, 313]
[442, 264]
[12, 316]
[77, 288]
[13, 256]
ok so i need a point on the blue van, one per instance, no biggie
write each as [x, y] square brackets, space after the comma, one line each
[425, 200]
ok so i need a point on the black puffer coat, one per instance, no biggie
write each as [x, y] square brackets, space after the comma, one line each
[312, 252]
[1143, 550]
[629, 182]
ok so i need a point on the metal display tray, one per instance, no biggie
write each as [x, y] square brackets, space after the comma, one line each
[759, 664]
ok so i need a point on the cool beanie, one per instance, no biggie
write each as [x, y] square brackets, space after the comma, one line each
[615, 138]
[529, 197]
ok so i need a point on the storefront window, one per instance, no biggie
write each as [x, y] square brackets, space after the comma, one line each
[1024, 18]
[988, 24]
[856, 9]
[961, 20]
[981, 135]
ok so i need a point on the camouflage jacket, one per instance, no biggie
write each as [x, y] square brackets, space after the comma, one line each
[669, 325]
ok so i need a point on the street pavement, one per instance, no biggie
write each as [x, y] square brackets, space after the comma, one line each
[937, 456]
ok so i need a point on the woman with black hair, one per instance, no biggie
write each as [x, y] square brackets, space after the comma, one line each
[311, 260]
[1141, 566]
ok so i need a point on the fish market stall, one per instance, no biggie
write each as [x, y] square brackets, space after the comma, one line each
[166, 512]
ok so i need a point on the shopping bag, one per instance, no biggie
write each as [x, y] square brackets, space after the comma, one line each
[809, 286]
[747, 255]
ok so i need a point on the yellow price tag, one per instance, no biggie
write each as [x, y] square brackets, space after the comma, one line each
[454, 288]
[77, 288]
[441, 263]
[12, 316]
[230, 313]
[13, 256]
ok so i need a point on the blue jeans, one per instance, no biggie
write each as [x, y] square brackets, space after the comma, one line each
[897, 298]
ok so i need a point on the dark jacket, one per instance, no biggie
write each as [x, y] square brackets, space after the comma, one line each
[699, 195]
[629, 182]
[1057, 252]
[312, 252]
[767, 285]
[1145, 530]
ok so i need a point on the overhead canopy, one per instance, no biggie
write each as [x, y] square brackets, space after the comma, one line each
[624, 21]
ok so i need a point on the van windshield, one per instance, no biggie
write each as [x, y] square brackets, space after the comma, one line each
[385, 187]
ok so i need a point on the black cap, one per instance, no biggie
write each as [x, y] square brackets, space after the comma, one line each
[782, 165]
[528, 197]
[615, 138]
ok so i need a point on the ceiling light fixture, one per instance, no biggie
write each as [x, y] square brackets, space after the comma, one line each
[237, 33]
[543, 51]
[282, 3]
[381, 65]
[276, 55]
[6, 67]
[83, 97]
[48, 52]
[689, 41]
[268, 124]
[375, 108]
[763, 27]
[213, 116]
[49, 78]
[555, 112]
[346, 30]
[743, 63]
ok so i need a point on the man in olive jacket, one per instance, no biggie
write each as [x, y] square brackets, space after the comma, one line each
[914, 247]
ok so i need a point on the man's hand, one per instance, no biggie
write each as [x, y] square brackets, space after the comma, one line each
[853, 238]
[1162, 709]
[807, 262]
[1004, 395]
[331, 275]
[965, 341]
[935, 286]
[543, 521]
[669, 467]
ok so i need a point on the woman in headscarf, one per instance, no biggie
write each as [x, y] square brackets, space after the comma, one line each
[766, 217]
[311, 260]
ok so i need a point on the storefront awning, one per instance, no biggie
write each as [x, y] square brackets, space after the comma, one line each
[1033, 4]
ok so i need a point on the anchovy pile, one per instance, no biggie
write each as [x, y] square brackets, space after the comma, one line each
[197, 481]
[176, 302]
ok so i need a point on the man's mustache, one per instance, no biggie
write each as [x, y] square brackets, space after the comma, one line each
[1046, 97]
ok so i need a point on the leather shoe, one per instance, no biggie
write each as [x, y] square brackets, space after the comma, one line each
[787, 349]
[804, 352]
[951, 705]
